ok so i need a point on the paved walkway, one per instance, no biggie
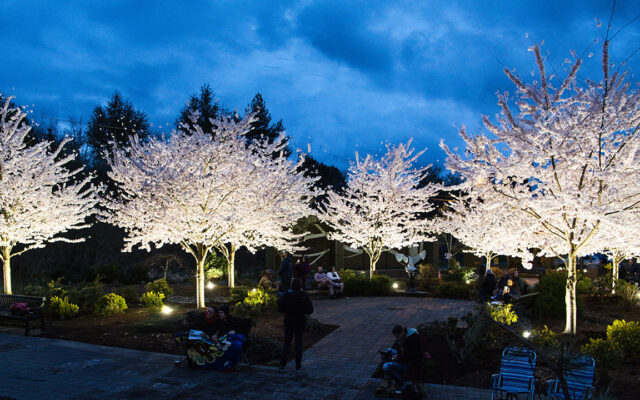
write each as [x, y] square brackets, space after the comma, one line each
[337, 367]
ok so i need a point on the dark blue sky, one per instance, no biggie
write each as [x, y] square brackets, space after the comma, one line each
[343, 75]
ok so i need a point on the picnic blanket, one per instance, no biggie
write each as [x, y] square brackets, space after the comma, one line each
[217, 353]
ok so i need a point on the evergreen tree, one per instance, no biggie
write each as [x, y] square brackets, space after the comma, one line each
[115, 122]
[262, 126]
[206, 107]
[331, 178]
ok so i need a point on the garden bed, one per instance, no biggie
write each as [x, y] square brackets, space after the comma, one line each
[144, 329]
[476, 370]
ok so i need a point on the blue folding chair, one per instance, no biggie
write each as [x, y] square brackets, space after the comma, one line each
[579, 377]
[516, 374]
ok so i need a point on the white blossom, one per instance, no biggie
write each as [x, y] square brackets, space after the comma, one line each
[566, 155]
[382, 206]
[206, 190]
[40, 197]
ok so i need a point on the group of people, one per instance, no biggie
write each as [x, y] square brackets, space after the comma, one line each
[300, 270]
[510, 286]
[218, 345]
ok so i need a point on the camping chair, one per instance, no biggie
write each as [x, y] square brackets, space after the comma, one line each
[516, 374]
[579, 377]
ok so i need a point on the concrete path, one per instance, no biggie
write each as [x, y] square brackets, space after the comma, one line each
[338, 367]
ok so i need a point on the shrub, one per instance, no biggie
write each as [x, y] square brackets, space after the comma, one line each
[605, 353]
[502, 313]
[601, 286]
[550, 301]
[109, 304]
[108, 272]
[61, 308]
[152, 300]
[159, 286]
[215, 266]
[257, 302]
[379, 285]
[453, 290]
[130, 293]
[87, 296]
[137, 274]
[625, 336]
[238, 294]
[356, 285]
[627, 294]
[34, 290]
[584, 285]
[545, 338]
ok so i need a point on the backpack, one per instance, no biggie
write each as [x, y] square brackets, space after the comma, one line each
[19, 308]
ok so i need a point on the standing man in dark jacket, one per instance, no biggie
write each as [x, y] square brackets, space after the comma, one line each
[487, 286]
[295, 305]
[286, 271]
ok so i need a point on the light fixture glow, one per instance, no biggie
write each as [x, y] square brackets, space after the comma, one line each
[167, 310]
[526, 334]
[254, 290]
[210, 285]
[584, 270]
[395, 285]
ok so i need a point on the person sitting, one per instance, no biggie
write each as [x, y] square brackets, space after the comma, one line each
[519, 285]
[218, 330]
[487, 287]
[322, 280]
[407, 361]
[336, 281]
[266, 280]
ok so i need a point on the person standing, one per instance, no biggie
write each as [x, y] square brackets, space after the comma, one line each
[286, 271]
[295, 305]
[301, 270]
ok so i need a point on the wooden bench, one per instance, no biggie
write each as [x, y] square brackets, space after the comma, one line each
[35, 313]
[524, 303]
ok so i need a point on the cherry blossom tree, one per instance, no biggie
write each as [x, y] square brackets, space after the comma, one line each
[383, 205]
[204, 191]
[40, 197]
[619, 240]
[487, 228]
[564, 153]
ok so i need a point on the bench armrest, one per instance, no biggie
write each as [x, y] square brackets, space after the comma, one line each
[550, 386]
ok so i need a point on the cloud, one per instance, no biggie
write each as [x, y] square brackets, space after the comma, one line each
[343, 75]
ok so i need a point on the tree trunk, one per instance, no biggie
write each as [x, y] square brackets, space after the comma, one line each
[6, 269]
[570, 296]
[200, 282]
[615, 271]
[373, 260]
[231, 261]
[488, 264]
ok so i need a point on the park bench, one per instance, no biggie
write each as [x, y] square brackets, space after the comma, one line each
[516, 374]
[579, 377]
[34, 313]
[524, 303]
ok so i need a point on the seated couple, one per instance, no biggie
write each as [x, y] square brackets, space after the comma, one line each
[331, 280]
[217, 345]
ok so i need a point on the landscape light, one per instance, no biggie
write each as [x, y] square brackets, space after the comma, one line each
[254, 290]
[526, 334]
[584, 270]
[210, 285]
[395, 285]
[167, 310]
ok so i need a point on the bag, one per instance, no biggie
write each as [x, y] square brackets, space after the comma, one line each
[19, 308]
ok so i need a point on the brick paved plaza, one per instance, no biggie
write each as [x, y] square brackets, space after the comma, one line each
[338, 367]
